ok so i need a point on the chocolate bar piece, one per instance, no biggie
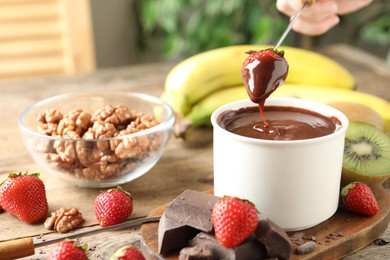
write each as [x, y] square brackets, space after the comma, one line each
[183, 218]
[274, 238]
[248, 250]
[173, 235]
[192, 208]
[198, 252]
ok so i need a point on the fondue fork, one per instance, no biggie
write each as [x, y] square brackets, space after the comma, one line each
[21, 247]
[292, 22]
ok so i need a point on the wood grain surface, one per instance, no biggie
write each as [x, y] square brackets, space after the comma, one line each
[184, 165]
[339, 236]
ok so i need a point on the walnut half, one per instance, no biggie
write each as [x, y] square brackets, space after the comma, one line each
[64, 220]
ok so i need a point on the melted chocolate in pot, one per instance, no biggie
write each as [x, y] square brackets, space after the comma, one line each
[284, 123]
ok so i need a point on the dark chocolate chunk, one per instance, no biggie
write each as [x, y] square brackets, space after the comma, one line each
[249, 249]
[274, 238]
[198, 252]
[380, 242]
[192, 208]
[306, 248]
[173, 235]
[183, 218]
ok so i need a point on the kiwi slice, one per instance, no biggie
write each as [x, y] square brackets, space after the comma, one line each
[361, 113]
[366, 153]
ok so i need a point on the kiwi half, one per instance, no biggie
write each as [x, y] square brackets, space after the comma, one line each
[366, 154]
[361, 113]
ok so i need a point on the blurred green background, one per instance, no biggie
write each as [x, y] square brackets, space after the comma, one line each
[140, 31]
[174, 29]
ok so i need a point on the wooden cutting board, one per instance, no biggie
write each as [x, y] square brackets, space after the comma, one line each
[341, 235]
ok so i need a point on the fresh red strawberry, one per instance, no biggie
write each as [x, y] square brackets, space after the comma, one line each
[24, 195]
[263, 72]
[67, 249]
[113, 207]
[358, 198]
[233, 220]
[127, 253]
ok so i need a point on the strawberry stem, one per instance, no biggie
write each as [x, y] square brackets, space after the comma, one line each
[20, 174]
[278, 52]
[119, 188]
[347, 188]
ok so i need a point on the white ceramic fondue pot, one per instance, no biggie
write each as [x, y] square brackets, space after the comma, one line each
[295, 183]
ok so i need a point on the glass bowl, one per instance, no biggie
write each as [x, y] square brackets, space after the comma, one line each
[97, 139]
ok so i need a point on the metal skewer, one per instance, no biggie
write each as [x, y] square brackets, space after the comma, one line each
[291, 24]
[126, 224]
[21, 247]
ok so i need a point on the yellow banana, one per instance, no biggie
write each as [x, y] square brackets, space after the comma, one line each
[198, 76]
[314, 69]
[328, 95]
[201, 112]
[201, 74]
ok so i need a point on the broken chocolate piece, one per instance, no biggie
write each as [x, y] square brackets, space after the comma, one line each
[274, 238]
[192, 208]
[183, 218]
[306, 248]
[172, 235]
[249, 249]
[198, 252]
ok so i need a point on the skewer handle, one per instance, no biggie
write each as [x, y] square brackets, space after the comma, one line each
[17, 248]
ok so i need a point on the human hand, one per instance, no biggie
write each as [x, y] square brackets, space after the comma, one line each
[321, 15]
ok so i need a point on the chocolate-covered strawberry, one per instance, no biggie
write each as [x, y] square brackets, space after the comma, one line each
[263, 72]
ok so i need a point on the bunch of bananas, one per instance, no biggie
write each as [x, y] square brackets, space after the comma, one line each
[200, 84]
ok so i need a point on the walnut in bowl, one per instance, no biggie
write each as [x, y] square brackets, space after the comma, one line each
[97, 139]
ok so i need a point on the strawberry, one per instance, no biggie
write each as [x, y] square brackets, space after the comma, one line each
[358, 198]
[68, 249]
[263, 72]
[127, 253]
[113, 207]
[24, 195]
[233, 220]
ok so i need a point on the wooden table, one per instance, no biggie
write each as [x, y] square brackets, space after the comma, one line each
[182, 166]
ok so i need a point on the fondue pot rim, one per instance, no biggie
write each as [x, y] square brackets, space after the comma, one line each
[285, 102]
